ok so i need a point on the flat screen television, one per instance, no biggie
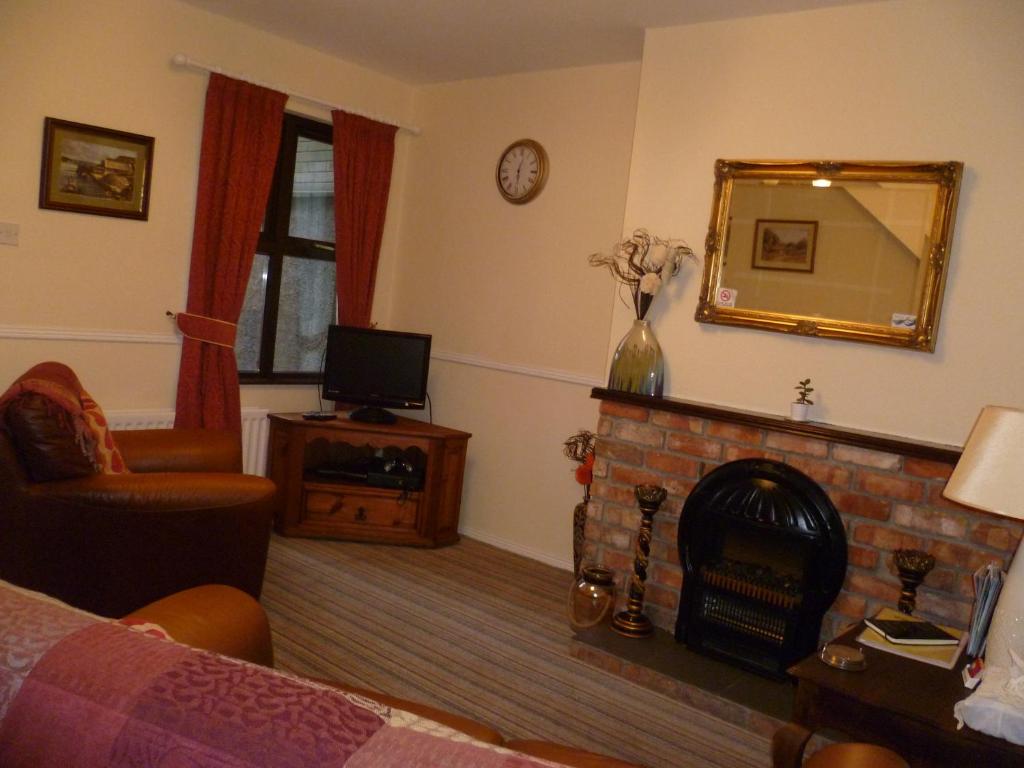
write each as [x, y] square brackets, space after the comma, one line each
[376, 369]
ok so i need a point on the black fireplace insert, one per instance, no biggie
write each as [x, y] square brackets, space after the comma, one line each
[764, 555]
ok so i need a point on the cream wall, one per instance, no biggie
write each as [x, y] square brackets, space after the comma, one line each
[108, 280]
[522, 327]
[520, 322]
[907, 80]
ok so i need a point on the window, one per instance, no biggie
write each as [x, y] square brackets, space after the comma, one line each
[291, 298]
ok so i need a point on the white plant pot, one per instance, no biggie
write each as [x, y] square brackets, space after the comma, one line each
[799, 411]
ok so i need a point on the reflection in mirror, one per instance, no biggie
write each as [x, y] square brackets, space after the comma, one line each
[842, 250]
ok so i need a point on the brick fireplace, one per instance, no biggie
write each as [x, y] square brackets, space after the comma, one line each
[887, 491]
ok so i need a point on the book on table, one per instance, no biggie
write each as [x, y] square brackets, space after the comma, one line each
[903, 632]
[945, 656]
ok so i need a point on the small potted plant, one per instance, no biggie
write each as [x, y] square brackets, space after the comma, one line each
[800, 407]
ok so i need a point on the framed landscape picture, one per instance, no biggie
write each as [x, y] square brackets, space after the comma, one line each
[785, 244]
[88, 169]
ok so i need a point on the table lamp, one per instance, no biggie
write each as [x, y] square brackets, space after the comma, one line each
[990, 476]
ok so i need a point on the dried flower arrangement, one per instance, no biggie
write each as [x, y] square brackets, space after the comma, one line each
[580, 448]
[643, 264]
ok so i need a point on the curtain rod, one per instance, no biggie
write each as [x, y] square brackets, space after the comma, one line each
[181, 60]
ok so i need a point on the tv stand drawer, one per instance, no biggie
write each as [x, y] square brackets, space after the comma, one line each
[359, 509]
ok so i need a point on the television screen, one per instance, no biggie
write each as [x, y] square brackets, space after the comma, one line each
[367, 366]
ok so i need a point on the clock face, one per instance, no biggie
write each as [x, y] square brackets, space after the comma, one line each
[522, 171]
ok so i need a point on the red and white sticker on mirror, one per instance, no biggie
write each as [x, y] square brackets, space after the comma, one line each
[726, 297]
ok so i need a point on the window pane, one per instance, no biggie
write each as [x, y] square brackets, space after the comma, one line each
[305, 308]
[312, 214]
[250, 323]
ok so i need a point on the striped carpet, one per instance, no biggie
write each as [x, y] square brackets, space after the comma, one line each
[482, 632]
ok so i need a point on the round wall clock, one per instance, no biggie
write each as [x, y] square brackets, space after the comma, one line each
[522, 171]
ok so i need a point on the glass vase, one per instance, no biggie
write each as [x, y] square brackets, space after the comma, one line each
[592, 597]
[637, 365]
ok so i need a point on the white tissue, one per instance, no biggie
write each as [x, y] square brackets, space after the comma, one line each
[997, 706]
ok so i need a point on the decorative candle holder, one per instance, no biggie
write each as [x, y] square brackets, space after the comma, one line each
[632, 622]
[913, 565]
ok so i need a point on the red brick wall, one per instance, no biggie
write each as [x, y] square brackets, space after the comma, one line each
[887, 501]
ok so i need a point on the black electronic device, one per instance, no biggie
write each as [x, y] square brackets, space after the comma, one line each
[319, 415]
[376, 369]
[375, 471]
[355, 470]
[406, 481]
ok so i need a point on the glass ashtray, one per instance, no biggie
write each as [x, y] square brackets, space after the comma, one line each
[843, 657]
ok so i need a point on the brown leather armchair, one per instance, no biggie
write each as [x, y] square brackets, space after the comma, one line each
[111, 543]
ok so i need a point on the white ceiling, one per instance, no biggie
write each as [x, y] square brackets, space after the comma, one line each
[427, 41]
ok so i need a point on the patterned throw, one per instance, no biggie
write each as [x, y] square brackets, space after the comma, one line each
[58, 383]
[78, 690]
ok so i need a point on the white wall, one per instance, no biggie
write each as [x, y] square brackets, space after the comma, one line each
[107, 63]
[908, 80]
[506, 289]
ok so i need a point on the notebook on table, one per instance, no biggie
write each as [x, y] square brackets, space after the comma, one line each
[945, 656]
[904, 632]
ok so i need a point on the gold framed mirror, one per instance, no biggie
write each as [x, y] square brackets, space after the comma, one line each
[843, 250]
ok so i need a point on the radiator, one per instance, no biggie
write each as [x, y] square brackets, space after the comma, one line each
[255, 431]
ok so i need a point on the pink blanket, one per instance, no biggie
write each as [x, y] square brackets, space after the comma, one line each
[78, 690]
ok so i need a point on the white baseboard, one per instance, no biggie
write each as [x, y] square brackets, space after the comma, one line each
[519, 549]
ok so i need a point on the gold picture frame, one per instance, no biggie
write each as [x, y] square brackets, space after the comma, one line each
[784, 244]
[89, 169]
[880, 258]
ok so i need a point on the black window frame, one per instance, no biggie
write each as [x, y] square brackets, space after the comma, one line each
[276, 243]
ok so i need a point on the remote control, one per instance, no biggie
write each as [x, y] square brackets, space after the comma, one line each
[319, 415]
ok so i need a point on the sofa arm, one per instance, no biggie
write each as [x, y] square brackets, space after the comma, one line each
[156, 493]
[110, 544]
[565, 755]
[472, 728]
[180, 450]
[215, 618]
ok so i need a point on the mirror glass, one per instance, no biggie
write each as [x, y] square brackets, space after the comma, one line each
[842, 250]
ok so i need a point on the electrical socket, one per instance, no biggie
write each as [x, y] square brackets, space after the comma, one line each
[8, 233]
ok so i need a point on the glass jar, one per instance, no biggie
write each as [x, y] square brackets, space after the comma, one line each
[592, 597]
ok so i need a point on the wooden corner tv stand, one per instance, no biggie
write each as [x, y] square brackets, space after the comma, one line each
[313, 503]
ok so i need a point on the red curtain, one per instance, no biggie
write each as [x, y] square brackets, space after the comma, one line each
[241, 134]
[363, 154]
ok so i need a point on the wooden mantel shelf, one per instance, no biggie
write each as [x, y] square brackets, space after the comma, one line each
[879, 442]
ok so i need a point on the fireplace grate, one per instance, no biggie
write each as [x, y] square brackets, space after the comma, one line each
[764, 554]
[745, 616]
[748, 598]
[753, 581]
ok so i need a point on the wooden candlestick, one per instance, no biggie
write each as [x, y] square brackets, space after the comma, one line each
[632, 622]
[912, 565]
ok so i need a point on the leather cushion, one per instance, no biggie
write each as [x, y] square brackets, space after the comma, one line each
[45, 439]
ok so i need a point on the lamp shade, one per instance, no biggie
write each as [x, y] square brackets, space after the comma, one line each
[990, 476]
[990, 473]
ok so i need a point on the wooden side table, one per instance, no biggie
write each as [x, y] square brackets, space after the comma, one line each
[899, 703]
